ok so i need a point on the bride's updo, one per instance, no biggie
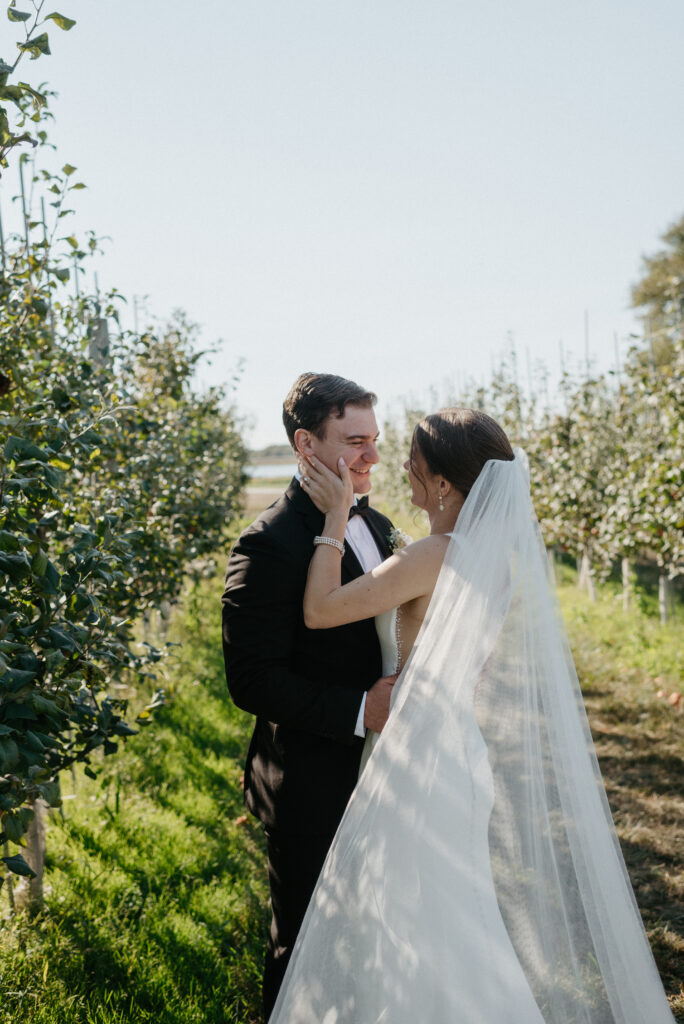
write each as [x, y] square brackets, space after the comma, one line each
[456, 443]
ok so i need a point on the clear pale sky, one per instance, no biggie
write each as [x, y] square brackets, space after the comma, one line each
[381, 189]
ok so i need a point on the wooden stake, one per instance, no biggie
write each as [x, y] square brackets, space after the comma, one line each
[586, 342]
[23, 205]
[47, 273]
[10, 887]
[626, 583]
[2, 246]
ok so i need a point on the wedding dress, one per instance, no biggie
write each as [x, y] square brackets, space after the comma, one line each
[476, 877]
[386, 628]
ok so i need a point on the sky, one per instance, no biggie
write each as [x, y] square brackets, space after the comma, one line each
[388, 190]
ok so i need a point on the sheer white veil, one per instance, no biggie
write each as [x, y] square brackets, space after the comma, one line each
[476, 877]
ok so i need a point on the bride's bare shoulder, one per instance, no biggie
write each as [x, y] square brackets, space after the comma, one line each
[432, 548]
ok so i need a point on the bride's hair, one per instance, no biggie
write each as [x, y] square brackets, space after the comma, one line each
[456, 443]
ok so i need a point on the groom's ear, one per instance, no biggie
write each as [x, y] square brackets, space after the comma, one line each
[302, 440]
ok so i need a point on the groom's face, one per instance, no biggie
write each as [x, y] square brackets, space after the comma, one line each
[354, 437]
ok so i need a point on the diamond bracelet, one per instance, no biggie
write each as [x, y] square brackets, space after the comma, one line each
[331, 541]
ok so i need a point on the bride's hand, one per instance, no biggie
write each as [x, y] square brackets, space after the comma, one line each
[328, 491]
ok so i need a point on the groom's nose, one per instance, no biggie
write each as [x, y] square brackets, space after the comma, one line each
[370, 452]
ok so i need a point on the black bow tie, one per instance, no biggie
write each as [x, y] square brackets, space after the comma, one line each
[360, 508]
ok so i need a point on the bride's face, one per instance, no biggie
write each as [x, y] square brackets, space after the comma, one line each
[420, 479]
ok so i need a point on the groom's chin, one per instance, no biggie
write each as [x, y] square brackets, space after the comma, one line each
[362, 483]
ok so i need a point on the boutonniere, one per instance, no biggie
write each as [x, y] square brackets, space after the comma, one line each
[397, 540]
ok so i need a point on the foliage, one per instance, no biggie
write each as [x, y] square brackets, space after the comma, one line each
[660, 292]
[605, 468]
[29, 102]
[117, 479]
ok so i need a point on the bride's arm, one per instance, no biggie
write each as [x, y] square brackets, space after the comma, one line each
[410, 573]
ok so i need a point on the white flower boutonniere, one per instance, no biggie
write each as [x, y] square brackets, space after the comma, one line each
[398, 540]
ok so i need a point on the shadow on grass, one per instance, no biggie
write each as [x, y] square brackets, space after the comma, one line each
[143, 946]
[643, 777]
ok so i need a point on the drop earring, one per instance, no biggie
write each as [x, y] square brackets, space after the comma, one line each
[441, 503]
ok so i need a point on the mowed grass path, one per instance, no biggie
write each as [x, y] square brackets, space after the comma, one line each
[156, 907]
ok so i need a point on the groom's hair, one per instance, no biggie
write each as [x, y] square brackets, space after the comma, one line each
[315, 396]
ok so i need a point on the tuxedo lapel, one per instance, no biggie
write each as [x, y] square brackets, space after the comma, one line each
[351, 567]
[377, 525]
[305, 507]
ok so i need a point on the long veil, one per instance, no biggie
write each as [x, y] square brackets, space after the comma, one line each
[476, 877]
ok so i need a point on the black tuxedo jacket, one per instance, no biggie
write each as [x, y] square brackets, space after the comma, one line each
[303, 685]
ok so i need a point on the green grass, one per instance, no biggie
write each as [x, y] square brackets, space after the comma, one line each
[157, 910]
[156, 905]
[624, 660]
[275, 483]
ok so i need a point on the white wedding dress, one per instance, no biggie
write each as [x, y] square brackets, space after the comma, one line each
[475, 877]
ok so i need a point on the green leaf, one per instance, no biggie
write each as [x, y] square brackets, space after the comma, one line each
[61, 21]
[9, 753]
[12, 92]
[50, 792]
[39, 563]
[14, 15]
[61, 640]
[36, 46]
[38, 97]
[18, 865]
[15, 566]
[13, 827]
[72, 242]
[33, 740]
[8, 541]
[68, 169]
[123, 729]
[5, 69]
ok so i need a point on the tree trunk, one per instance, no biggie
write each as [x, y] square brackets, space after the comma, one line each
[626, 584]
[586, 575]
[35, 857]
[664, 597]
[10, 883]
[551, 555]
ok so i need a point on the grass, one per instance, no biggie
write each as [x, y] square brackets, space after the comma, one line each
[269, 483]
[624, 661]
[156, 906]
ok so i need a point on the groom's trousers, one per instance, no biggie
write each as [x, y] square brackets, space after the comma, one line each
[294, 864]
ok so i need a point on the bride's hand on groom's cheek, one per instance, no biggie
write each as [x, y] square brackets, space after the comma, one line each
[328, 491]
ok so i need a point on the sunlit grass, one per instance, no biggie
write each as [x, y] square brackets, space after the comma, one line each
[156, 911]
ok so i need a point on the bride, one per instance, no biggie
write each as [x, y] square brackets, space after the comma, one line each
[475, 877]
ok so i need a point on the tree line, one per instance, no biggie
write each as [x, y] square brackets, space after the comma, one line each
[605, 452]
[118, 480]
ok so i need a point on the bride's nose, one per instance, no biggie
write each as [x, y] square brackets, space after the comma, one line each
[407, 465]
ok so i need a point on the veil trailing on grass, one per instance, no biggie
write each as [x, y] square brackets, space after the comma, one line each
[476, 877]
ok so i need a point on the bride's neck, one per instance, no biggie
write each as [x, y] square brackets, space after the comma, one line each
[443, 520]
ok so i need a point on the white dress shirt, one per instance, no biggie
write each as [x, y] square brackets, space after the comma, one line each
[361, 541]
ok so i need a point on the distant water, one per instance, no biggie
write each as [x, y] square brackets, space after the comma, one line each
[272, 471]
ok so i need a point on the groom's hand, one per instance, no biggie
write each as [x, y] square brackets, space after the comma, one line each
[378, 703]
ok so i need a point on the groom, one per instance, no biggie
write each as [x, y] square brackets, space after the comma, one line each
[314, 692]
